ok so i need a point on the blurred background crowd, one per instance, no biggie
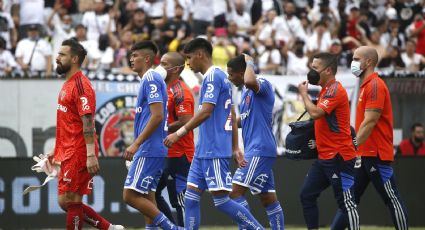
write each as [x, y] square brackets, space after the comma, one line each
[280, 34]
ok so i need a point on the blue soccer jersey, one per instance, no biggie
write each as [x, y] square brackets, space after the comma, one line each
[215, 133]
[152, 90]
[256, 120]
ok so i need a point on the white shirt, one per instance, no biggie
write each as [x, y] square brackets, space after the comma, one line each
[265, 32]
[153, 9]
[59, 35]
[171, 8]
[312, 43]
[7, 24]
[202, 10]
[264, 57]
[43, 49]
[6, 60]
[219, 7]
[288, 28]
[408, 61]
[96, 24]
[31, 12]
[243, 21]
[297, 66]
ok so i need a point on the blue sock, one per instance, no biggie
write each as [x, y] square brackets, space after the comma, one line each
[236, 211]
[151, 227]
[275, 214]
[164, 222]
[192, 209]
[242, 201]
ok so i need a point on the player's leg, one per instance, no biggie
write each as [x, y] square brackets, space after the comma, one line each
[361, 181]
[195, 186]
[140, 185]
[239, 186]
[219, 181]
[314, 183]
[160, 201]
[341, 175]
[383, 180]
[176, 185]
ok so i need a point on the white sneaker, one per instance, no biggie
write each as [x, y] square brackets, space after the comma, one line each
[115, 227]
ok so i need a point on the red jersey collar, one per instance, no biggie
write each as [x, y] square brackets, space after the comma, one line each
[173, 83]
[369, 78]
[76, 74]
[329, 82]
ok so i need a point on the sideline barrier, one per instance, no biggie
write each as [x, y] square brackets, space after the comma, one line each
[39, 209]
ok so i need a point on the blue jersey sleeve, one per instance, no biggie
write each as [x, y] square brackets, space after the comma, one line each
[212, 86]
[265, 87]
[153, 91]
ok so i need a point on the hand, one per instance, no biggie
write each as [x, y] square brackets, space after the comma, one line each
[303, 88]
[130, 151]
[57, 6]
[239, 158]
[180, 34]
[248, 58]
[171, 139]
[92, 165]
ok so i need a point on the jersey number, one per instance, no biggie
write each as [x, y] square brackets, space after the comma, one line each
[228, 124]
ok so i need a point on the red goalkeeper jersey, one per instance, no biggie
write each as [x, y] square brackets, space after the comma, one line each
[76, 98]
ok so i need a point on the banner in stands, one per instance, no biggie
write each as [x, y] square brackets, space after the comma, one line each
[28, 110]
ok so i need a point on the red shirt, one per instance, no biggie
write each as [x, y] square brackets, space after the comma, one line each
[406, 148]
[420, 46]
[180, 102]
[332, 131]
[76, 98]
[374, 94]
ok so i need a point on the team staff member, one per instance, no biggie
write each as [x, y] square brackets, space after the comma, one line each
[335, 166]
[374, 125]
[180, 111]
[76, 146]
[415, 145]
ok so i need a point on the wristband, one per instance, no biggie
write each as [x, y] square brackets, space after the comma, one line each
[90, 150]
[250, 63]
[181, 132]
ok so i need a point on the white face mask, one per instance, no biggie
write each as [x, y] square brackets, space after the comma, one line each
[162, 71]
[355, 68]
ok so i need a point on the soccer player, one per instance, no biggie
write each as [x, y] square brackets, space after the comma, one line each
[147, 152]
[76, 147]
[260, 145]
[336, 152]
[180, 111]
[374, 125]
[210, 166]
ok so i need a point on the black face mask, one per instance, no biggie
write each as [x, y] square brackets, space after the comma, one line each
[419, 139]
[299, 52]
[313, 77]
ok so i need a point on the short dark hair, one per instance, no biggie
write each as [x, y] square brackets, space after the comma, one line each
[328, 60]
[415, 125]
[76, 49]
[198, 43]
[148, 45]
[237, 63]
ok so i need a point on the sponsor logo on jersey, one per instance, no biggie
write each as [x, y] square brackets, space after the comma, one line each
[84, 104]
[208, 92]
[62, 108]
[153, 93]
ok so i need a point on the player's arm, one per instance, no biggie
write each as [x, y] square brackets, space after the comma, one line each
[201, 116]
[371, 117]
[250, 79]
[314, 111]
[238, 155]
[88, 131]
[238, 122]
[154, 121]
[181, 120]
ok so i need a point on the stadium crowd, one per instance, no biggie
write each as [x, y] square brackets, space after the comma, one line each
[282, 35]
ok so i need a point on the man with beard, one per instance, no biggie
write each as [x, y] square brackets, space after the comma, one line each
[415, 145]
[374, 126]
[76, 148]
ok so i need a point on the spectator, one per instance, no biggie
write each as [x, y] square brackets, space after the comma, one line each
[61, 26]
[171, 6]
[235, 37]
[288, 26]
[7, 61]
[269, 57]
[296, 58]
[202, 16]
[406, 11]
[98, 21]
[415, 145]
[33, 54]
[393, 37]
[374, 42]
[264, 26]
[140, 26]
[392, 61]
[7, 28]
[320, 41]
[418, 31]
[239, 16]
[122, 53]
[323, 12]
[223, 50]
[30, 13]
[412, 60]
[154, 10]
[91, 46]
[170, 29]
[104, 56]
[344, 56]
